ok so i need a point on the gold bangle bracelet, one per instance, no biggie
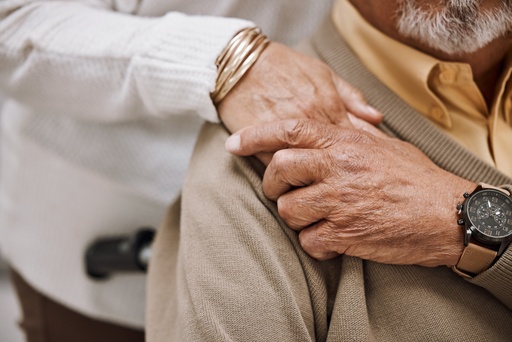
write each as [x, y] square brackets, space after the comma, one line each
[244, 67]
[236, 59]
[233, 67]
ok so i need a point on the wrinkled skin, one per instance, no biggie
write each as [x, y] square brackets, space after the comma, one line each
[358, 192]
[285, 84]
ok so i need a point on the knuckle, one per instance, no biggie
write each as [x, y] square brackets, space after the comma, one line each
[309, 133]
[280, 161]
[360, 137]
[327, 137]
[285, 208]
[312, 245]
[294, 130]
[325, 236]
[307, 241]
[268, 188]
[350, 162]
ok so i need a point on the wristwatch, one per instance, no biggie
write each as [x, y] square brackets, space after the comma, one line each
[486, 215]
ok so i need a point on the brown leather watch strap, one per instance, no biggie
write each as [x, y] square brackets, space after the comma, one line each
[474, 260]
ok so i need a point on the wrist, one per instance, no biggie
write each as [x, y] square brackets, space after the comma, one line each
[485, 217]
[236, 59]
[454, 242]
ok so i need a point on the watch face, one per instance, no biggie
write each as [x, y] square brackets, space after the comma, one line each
[490, 215]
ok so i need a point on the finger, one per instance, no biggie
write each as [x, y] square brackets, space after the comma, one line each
[367, 127]
[355, 102]
[332, 106]
[324, 101]
[318, 241]
[265, 158]
[293, 168]
[303, 207]
[274, 136]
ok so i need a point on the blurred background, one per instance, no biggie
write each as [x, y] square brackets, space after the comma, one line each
[9, 311]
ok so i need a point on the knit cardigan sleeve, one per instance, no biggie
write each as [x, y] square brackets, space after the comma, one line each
[91, 62]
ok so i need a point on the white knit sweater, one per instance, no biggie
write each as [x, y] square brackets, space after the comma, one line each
[104, 103]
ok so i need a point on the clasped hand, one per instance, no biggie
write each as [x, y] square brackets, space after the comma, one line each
[285, 84]
[357, 192]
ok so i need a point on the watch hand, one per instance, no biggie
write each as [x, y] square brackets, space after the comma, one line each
[489, 202]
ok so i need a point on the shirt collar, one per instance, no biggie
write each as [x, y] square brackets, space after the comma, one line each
[408, 75]
[506, 90]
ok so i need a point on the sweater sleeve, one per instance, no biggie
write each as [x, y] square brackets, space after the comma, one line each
[498, 279]
[91, 62]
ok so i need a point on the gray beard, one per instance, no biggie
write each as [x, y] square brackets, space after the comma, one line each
[460, 27]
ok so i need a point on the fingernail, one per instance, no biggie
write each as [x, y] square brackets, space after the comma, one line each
[233, 143]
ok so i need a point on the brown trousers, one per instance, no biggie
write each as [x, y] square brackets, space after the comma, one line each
[47, 321]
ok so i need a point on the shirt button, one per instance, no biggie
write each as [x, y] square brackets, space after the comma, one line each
[437, 113]
[447, 76]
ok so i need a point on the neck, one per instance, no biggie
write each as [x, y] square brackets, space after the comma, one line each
[486, 63]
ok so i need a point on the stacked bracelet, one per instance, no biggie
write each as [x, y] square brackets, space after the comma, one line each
[234, 61]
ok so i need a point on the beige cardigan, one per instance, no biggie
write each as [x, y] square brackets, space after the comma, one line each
[242, 275]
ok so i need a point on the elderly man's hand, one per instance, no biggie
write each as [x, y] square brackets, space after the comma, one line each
[358, 192]
[285, 84]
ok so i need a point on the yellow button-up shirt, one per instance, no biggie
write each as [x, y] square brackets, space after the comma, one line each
[442, 91]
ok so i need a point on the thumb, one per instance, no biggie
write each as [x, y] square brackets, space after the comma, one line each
[275, 136]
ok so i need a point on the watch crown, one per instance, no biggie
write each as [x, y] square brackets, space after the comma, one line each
[459, 206]
[460, 222]
[466, 195]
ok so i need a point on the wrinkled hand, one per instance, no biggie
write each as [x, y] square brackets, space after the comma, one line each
[285, 84]
[358, 192]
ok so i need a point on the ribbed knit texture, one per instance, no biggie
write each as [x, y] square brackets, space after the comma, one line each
[70, 53]
[104, 102]
[242, 275]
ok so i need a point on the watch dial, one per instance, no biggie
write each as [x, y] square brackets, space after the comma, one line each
[490, 212]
